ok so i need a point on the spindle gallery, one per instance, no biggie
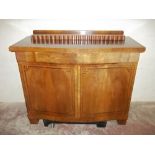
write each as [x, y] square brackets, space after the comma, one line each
[77, 76]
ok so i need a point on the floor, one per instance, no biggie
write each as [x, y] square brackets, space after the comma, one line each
[13, 121]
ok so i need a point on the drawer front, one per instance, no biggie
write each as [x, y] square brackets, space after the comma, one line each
[77, 57]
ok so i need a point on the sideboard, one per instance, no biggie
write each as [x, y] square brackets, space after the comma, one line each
[77, 76]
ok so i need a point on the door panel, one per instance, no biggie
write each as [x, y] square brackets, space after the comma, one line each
[51, 89]
[104, 89]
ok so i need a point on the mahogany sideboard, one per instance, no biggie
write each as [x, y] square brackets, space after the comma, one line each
[77, 76]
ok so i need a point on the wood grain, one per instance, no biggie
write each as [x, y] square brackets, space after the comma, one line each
[77, 39]
[106, 86]
[119, 32]
[76, 58]
[77, 83]
[129, 45]
[51, 89]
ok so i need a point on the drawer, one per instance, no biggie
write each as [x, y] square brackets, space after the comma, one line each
[77, 57]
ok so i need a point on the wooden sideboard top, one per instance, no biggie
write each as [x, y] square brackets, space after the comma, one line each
[126, 45]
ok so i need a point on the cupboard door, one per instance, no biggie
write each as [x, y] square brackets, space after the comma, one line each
[51, 89]
[104, 89]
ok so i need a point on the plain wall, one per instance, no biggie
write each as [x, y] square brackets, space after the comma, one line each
[12, 31]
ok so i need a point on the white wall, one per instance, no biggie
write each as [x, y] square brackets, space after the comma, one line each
[12, 31]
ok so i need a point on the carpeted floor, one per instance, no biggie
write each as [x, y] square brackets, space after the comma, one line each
[13, 121]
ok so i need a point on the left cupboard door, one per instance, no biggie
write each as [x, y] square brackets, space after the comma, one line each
[51, 89]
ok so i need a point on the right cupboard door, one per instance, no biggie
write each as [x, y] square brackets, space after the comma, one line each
[105, 88]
